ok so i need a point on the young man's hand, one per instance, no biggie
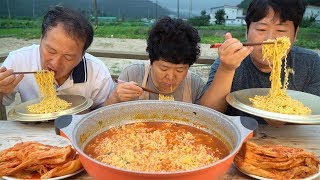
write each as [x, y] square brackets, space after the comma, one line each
[232, 53]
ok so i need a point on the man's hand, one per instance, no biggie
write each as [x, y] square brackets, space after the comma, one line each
[8, 80]
[232, 53]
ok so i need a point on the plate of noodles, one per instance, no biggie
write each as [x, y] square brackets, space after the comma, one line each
[243, 100]
[22, 112]
[277, 103]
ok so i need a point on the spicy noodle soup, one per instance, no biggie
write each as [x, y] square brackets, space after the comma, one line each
[156, 147]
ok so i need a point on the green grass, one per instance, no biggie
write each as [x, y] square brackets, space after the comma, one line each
[131, 32]
[28, 29]
[22, 33]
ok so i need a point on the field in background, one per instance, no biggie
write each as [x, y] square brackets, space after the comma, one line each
[28, 29]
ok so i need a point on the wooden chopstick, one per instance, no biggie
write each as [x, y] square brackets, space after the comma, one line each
[28, 72]
[256, 44]
[145, 89]
[217, 45]
[148, 90]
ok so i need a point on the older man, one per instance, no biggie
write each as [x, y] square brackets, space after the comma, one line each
[65, 36]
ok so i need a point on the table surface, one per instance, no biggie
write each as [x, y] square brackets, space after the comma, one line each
[302, 136]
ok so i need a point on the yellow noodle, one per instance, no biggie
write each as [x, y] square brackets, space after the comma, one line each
[166, 98]
[277, 100]
[50, 102]
[154, 149]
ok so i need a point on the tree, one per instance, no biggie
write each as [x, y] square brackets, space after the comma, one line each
[244, 5]
[309, 21]
[220, 16]
[203, 13]
[94, 4]
[314, 2]
[8, 8]
[202, 20]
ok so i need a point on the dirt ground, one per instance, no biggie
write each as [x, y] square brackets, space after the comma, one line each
[114, 44]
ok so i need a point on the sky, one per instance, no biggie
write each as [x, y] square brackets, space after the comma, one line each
[197, 5]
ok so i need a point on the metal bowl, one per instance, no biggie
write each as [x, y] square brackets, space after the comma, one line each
[240, 100]
[20, 112]
[80, 129]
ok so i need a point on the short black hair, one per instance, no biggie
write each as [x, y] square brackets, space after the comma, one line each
[174, 41]
[76, 25]
[291, 10]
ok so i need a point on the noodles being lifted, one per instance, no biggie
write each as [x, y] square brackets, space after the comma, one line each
[277, 100]
[165, 97]
[50, 102]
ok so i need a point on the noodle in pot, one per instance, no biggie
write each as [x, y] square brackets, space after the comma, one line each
[156, 147]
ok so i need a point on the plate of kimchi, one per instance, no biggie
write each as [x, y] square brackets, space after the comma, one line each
[266, 162]
[39, 158]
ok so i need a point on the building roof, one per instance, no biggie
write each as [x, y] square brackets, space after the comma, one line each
[312, 6]
[226, 6]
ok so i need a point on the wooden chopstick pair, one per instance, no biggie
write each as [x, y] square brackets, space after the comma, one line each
[145, 89]
[217, 45]
[28, 72]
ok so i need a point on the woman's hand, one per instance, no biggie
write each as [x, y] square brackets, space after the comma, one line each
[124, 91]
[127, 91]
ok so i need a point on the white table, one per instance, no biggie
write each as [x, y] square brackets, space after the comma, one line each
[302, 136]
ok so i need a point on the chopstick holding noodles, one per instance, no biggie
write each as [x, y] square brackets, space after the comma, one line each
[28, 72]
[217, 45]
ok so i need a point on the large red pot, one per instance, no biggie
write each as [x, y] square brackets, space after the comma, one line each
[80, 129]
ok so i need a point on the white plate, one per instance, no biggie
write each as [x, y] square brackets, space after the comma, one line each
[48, 139]
[53, 140]
[20, 112]
[55, 178]
[263, 178]
[240, 100]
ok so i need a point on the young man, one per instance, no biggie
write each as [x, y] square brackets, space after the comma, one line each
[240, 67]
[173, 47]
[65, 36]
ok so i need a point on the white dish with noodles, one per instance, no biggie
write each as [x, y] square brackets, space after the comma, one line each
[78, 104]
[241, 101]
[278, 103]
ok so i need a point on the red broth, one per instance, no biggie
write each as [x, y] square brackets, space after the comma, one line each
[157, 147]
